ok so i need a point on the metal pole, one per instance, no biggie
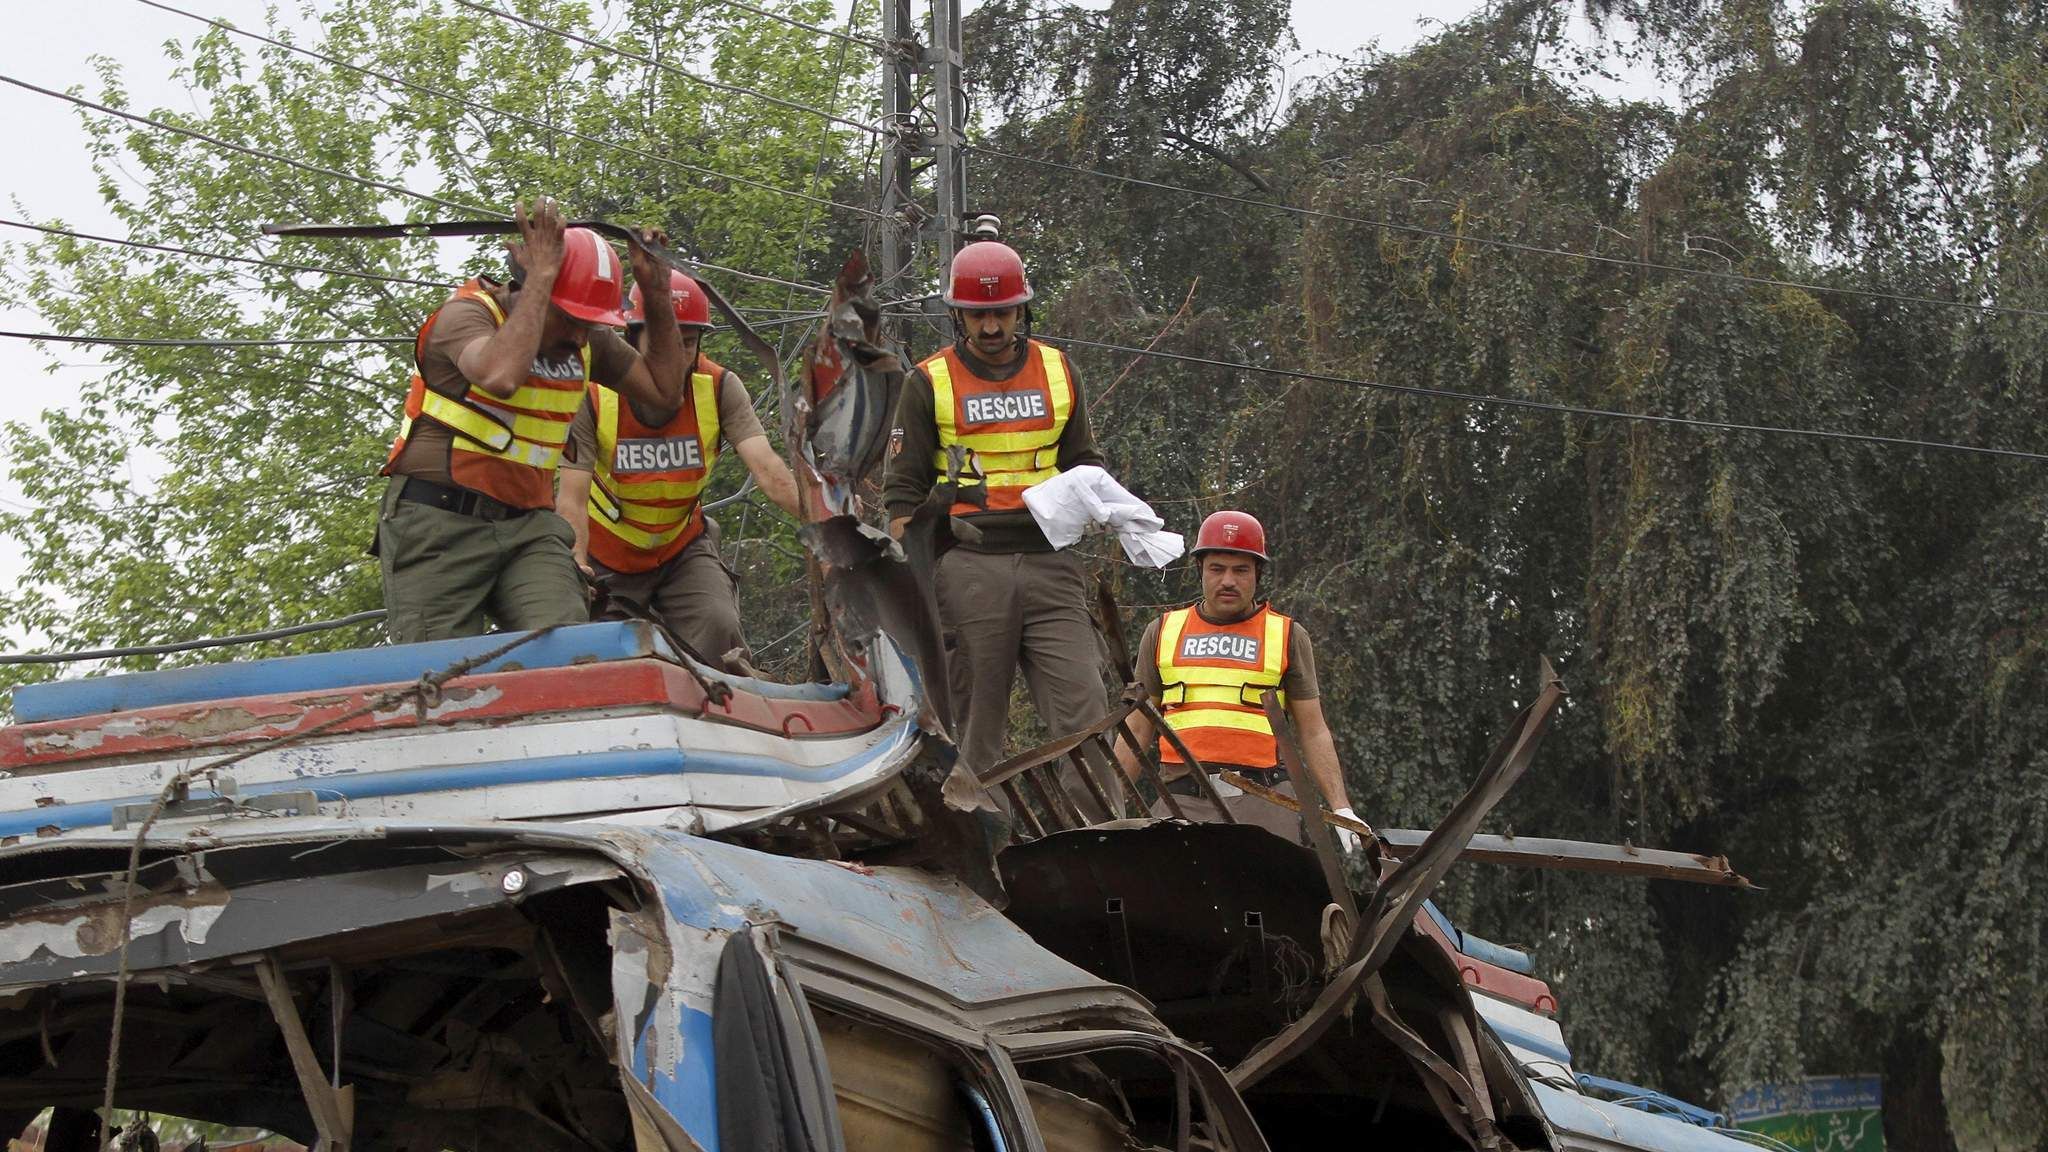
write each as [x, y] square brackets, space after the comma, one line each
[949, 101]
[900, 64]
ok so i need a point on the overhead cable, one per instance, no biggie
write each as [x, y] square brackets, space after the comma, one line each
[200, 342]
[720, 85]
[1515, 245]
[246, 150]
[847, 37]
[176, 251]
[1562, 409]
[192, 645]
[1525, 404]
[493, 110]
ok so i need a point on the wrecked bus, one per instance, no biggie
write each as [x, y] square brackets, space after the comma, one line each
[593, 895]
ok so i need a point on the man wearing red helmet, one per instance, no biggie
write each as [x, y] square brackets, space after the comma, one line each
[1007, 600]
[1206, 666]
[467, 528]
[631, 483]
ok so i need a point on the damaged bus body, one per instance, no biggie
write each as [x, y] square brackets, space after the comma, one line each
[595, 896]
[573, 889]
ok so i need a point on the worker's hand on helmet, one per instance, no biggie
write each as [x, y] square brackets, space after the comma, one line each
[539, 248]
[649, 270]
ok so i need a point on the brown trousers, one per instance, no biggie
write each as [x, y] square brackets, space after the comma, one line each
[1006, 611]
[694, 594]
[1247, 808]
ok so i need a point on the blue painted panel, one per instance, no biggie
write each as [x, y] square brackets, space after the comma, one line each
[1435, 913]
[1498, 955]
[691, 1095]
[1527, 1042]
[928, 928]
[1606, 1124]
[584, 643]
[1650, 1100]
[499, 773]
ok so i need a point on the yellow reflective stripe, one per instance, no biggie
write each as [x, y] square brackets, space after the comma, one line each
[1226, 694]
[497, 313]
[560, 401]
[479, 427]
[1182, 719]
[1062, 388]
[641, 538]
[1276, 644]
[603, 502]
[941, 376]
[1170, 629]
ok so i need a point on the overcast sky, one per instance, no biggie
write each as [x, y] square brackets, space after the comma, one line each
[51, 177]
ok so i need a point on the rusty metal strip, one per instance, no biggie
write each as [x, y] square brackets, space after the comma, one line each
[1460, 1104]
[1054, 749]
[1088, 780]
[1580, 856]
[1149, 761]
[1401, 894]
[1193, 762]
[1049, 779]
[1312, 808]
[1019, 808]
[1036, 787]
[1282, 800]
[332, 1108]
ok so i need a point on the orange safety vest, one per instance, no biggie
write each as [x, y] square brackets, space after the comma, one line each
[504, 447]
[646, 480]
[1211, 679]
[1011, 428]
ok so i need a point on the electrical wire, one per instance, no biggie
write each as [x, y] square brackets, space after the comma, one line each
[720, 85]
[844, 37]
[493, 110]
[1482, 398]
[244, 149]
[192, 645]
[199, 342]
[1516, 245]
[176, 251]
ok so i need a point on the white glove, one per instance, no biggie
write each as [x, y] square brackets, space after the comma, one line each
[1346, 838]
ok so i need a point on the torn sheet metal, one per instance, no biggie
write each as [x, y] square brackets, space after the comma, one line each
[1579, 856]
[48, 936]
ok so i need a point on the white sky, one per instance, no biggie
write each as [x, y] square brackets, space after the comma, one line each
[50, 176]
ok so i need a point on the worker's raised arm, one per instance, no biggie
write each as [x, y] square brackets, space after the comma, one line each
[1127, 756]
[770, 472]
[657, 379]
[499, 363]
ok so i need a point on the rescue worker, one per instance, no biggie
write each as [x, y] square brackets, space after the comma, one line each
[631, 485]
[1007, 600]
[1206, 666]
[468, 528]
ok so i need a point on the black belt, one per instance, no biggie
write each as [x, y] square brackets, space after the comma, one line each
[460, 501]
[1185, 785]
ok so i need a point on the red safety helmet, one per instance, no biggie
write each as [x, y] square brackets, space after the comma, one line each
[591, 280]
[987, 274]
[693, 307]
[1232, 532]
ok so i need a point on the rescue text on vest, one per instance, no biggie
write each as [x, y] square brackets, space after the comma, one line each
[658, 455]
[997, 407]
[1220, 646]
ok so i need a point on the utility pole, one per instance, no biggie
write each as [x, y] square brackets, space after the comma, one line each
[923, 106]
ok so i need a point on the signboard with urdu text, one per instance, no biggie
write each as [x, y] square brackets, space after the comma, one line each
[1820, 1114]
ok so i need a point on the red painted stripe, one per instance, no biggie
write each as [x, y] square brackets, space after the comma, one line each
[1513, 987]
[490, 698]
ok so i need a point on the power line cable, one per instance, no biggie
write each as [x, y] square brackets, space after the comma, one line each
[176, 251]
[1482, 398]
[1514, 245]
[244, 149]
[200, 342]
[192, 645]
[720, 85]
[545, 126]
[847, 37]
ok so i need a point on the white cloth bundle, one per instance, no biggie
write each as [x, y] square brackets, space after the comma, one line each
[1077, 499]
